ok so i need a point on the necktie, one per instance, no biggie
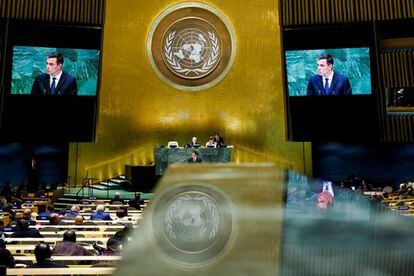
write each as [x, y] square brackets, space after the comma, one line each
[53, 86]
[326, 86]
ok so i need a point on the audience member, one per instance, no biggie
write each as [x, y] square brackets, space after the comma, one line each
[74, 211]
[43, 256]
[23, 231]
[5, 207]
[117, 198]
[123, 234]
[78, 220]
[27, 215]
[54, 219]
[113, 248]
[100, 214]
[8, 191]
[136, 202]
[6, 258]
[50, 209]
[69, 247]
[121, 214]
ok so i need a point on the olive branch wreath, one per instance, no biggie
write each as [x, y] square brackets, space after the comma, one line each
[211, 61]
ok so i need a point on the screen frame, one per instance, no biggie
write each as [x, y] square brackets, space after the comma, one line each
[306, 119]
[361, 35]
[35, 34]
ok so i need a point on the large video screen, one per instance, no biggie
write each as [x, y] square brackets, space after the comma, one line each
[328, 72]
[32, 71]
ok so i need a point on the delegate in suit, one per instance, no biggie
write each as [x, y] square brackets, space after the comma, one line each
[327, 82]
[55, 81]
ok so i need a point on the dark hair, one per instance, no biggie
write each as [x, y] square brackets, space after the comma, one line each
[42, 251]
[113, 243]
[328, 57]
[69, 236]
[22, 225]
[195, 152]
[58, 56]
[2, 244]
[121, 212]
[54, 219]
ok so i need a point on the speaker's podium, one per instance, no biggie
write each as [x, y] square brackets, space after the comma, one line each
[142, 178]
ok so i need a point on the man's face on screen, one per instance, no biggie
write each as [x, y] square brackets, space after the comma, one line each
[52, 67]
[324, 69]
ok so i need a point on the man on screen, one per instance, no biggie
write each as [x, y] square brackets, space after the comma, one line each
[55, 81]
[327, 82]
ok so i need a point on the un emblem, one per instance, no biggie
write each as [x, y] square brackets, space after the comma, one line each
[191, 46]
[192, 224]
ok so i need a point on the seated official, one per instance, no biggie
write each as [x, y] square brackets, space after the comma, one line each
[117, 198]
[6, 258]
[69, 247]
[211, 143]
[194, 158]
[100, 213]
[43, 256]
[219, 140]
[193, 143]
[23, 231]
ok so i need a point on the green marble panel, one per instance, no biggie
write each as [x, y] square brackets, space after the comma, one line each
[165, 156]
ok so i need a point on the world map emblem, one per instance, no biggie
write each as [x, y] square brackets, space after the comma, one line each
[192, 52]
[191, 46]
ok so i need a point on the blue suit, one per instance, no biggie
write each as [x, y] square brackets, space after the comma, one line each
[101, 216]
[66, 86]
[340, 85]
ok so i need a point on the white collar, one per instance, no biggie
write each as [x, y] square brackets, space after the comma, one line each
[57, 77]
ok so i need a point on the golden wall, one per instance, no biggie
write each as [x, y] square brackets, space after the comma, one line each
[137, 110]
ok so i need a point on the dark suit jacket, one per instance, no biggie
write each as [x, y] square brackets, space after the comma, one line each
[191, 160]
[101, 216]
[219, 141]
[66, 86]
[47, 263]
[27, 234]
[340, 86]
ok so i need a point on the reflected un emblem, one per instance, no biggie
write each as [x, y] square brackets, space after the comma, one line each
[191, 217]
[191, 52]
[192, 224]
[191, 46]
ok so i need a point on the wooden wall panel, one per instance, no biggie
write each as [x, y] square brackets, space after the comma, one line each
[304, 12]
[86, 12]
[397, 71]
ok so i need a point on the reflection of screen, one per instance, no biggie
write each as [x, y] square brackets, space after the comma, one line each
[352, 63]
[29, 62]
